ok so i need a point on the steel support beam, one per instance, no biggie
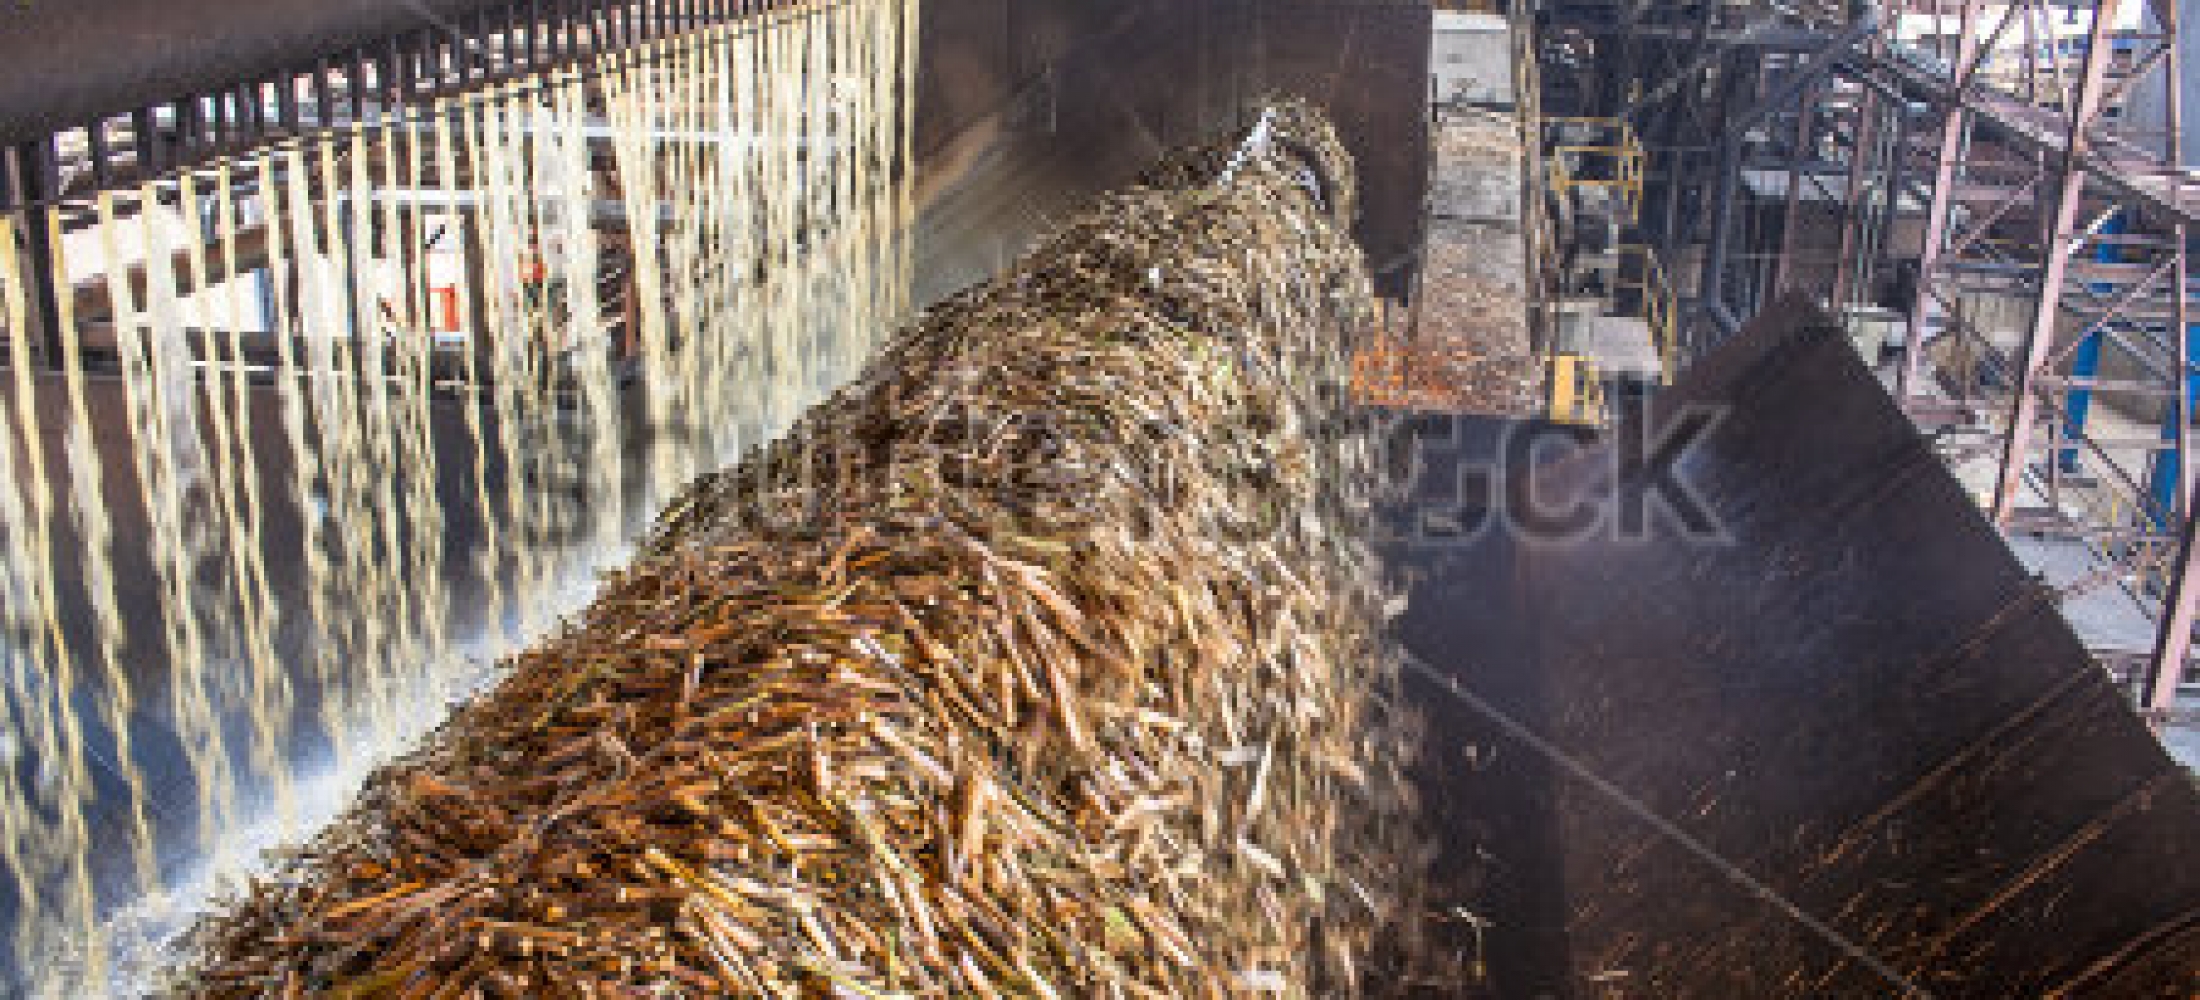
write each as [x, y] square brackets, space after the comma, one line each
[1952, 138]
[2061, 244]
[1726, 191]
[1853, 207]
[2181, 606]
[37, 179]
[1728, 183]
[1792, 215]
[2173, 647]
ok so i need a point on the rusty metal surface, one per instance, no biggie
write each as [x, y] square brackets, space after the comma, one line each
[1857, 710]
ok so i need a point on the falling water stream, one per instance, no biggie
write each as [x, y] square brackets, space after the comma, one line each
[380, 403]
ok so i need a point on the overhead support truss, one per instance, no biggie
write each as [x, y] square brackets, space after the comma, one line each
[1993, 195]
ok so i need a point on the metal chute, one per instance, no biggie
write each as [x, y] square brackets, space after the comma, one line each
[1841, 745]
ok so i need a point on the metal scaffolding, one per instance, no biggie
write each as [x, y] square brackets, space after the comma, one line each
[1993, 190]
[2050, 186]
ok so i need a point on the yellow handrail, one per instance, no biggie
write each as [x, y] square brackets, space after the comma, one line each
[1658, 310]
[1624, 150]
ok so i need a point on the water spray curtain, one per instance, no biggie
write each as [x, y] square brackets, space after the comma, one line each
[1041, 661]
[681, 245]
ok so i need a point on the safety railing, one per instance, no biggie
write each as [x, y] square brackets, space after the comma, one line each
[2132, 538]
[1597, 153]
[1644, 290]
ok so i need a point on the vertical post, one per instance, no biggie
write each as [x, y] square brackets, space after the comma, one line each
[534, 50]
[1896, 179]
[2173, 645]
[187, 131]
[1863, 142]
[252, 108]
[1806, 115]
[2168, 477]
[1936, 215]
[1725, 187]
[2040, 340]
[145, 138]
[395, 80]
[220, 129]
[97, 150]
[324, 91]
[2031, 53]
[427, 73]
[287, 115]
[355, 83]
[39, 179]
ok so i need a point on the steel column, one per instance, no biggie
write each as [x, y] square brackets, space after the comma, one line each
[2173, 644]
[2070, 192]
[1936, 216]
[1897, 178]
[38, 179]
[1806, 115]
[1863, 141]
[2085, 358]
[1737, 127]
[1725, 191]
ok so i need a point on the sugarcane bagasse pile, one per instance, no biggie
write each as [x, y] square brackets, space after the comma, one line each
[1043, 660]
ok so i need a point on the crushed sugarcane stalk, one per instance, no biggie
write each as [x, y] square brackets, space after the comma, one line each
[1043, 660]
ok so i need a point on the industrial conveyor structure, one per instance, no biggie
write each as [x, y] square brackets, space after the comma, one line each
[344, 345]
